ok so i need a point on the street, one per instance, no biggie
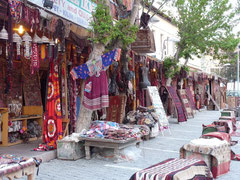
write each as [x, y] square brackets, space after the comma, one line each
[153, 151]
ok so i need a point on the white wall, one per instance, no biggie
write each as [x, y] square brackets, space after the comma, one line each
[164, 33]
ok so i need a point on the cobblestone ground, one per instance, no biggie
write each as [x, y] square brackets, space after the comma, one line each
[153, 151]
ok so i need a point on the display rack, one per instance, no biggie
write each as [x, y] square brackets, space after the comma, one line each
[29, 113]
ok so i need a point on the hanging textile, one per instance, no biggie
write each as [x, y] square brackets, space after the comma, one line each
[35, 58]
[96, 87]
[96, 92]
[116, 110]
[95, 66]
[185, 102]
[52, 125]
[178, 104]
[190, 97]
[73, 105]
[15, 9]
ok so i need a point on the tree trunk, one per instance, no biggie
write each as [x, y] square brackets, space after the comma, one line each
[84, 117]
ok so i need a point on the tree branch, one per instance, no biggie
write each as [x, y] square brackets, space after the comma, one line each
[159, 8]
[150, 8]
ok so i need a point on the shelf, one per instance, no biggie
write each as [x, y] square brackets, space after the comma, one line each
[24, 118]
[21, 141]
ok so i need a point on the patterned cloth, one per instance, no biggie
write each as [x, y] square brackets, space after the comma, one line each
[178, 104]
[52, 125]
[171, 169]
[190, 97]
[185, 102]
[15, 9]
[215, 152]
[94, 67]
[11, 163]
[96, 92]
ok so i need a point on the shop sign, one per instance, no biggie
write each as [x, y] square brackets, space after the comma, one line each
[76, 11]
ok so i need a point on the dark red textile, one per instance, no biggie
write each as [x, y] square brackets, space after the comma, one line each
[190, 97]
[219, 135]
[178, 104]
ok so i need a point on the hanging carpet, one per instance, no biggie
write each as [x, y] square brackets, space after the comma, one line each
[52, 124]
[190, 98]
[185, 102]
[178, 104]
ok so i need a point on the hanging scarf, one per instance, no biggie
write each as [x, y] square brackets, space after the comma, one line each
[35, 58]
[52, 125]
[43, 52]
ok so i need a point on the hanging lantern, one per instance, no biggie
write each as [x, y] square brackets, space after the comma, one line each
[27, 39]
[37, 39]
[45, 40]
[52, 43]
[18, 40]
[4, 34]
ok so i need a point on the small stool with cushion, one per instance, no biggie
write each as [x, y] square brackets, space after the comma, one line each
[175, 169]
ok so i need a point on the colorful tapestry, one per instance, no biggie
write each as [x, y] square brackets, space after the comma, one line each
[178, 104]
[158, 106]
[185, 102]
[31, 86]
[215, 152]
[191, 98]
[175, 169]
[116, 109]
[52, 125]
[94, 67]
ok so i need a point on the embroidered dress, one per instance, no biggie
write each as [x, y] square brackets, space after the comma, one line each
[52, 125]
[96, 87]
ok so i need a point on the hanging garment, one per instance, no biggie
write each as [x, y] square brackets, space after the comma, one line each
[94, 67]
[96, 92]
[52, 125]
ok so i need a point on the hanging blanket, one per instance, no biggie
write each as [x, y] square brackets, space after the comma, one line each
[185, 102]
[175, 169]
[190, 97]
[52, 125]
[178, 104]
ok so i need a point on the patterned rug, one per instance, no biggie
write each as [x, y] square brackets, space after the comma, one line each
[186, 105]
[191, 98]
[178, 104]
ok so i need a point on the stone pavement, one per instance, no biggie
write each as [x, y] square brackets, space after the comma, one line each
[153, 151]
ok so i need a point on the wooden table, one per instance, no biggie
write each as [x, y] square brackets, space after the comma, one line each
[117, 145]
